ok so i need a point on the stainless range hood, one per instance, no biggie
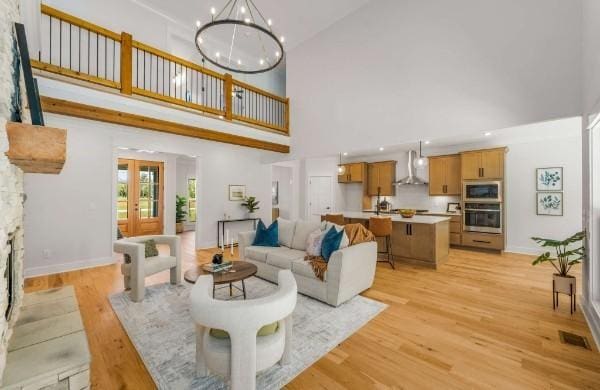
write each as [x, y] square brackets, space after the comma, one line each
[412, 178]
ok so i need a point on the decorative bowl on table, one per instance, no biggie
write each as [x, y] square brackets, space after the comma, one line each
[407, 213]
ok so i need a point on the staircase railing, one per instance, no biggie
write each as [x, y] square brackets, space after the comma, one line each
[81, 50]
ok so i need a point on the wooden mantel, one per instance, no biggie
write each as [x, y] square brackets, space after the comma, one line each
[36, 149]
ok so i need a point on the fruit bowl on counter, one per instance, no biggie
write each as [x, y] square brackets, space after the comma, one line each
[407, 213]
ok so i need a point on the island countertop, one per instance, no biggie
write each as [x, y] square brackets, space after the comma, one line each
[424, 219]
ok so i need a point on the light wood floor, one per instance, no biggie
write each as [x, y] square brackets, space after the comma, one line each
[481, 321]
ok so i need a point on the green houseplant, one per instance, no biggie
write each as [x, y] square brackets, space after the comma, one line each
[251, 204]
[569, 252]
[180, 213]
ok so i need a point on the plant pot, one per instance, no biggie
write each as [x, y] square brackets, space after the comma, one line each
[179, 227]
[562, 284]
[252, 215]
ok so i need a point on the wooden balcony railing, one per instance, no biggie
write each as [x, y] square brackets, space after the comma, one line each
[82, 50]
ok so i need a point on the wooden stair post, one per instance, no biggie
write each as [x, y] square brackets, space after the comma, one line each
[228, 91]
[126, 62]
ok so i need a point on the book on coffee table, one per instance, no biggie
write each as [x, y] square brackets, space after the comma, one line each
[224, 266]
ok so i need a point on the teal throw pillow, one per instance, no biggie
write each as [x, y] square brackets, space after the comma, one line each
[266, 236]
[331, 242]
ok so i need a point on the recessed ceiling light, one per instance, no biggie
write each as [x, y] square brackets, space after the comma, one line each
[487, 134]
[381, 149]
[427, 142]
[122, 148]
[277, 54]
[345, 153]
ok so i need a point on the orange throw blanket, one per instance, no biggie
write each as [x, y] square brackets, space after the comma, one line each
[356, 233]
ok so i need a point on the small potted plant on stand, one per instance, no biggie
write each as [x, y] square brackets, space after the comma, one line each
[251, 204]
[568, 253]
[180, 213]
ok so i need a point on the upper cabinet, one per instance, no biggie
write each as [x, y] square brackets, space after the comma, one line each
[444, 175]
[381, 176]
[353, 173]
[483, 164]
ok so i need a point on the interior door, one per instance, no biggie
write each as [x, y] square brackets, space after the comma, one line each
[141, 188]
[320, 200]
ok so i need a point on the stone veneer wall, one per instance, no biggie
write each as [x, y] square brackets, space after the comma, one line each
[11, 177]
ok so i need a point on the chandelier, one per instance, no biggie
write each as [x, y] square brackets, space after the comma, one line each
[239, 39]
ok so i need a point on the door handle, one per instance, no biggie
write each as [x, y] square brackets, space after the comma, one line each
[482, 172]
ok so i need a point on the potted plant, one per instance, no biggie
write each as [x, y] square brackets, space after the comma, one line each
[251, 204]
[568, 253]
[180, 213]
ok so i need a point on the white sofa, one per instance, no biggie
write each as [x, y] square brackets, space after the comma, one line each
[350, 270]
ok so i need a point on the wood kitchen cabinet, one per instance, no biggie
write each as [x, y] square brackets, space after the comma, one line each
[353, 173]
[483, 164]
[421, 242]
[381, 175]
[444, 175]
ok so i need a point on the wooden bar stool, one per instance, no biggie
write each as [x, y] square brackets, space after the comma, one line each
[382, 227]
[338, 219]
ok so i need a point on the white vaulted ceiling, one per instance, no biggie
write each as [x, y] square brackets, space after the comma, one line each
[297, 20]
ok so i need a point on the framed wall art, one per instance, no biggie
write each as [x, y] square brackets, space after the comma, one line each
[237, 192]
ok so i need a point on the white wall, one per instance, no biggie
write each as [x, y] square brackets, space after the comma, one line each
[70, 219]
[284, 177]
[326, 166]
[399, 70]
[186, 169]
[521, 219]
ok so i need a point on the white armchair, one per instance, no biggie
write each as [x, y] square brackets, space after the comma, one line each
[243, 354]
[141, 266]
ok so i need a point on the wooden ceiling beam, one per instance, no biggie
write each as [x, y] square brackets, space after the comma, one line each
[84, 111]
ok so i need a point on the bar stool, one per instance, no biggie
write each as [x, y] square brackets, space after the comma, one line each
[338, 219]
[382, 227]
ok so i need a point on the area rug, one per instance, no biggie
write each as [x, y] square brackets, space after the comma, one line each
[162, 331]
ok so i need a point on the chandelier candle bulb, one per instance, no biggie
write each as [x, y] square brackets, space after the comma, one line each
[248, 32]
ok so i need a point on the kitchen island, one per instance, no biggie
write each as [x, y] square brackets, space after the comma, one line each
[422, 239]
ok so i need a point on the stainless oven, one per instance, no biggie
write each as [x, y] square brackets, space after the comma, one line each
[482, 191]
[482, 217]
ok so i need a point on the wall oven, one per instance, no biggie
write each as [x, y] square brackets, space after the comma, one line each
[482, 217]
[482, 191]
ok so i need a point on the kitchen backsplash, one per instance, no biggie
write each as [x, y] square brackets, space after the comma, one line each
[410, 197]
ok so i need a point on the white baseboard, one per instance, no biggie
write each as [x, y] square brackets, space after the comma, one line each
[66, 267]
[524, 250]
[592, 317]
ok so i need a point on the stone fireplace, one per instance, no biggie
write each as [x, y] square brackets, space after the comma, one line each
[11, 182]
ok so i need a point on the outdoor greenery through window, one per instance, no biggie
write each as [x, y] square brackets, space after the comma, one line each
[192, 200]
[149, 192]
[122, 191]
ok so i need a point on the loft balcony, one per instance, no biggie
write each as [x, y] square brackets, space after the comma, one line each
[95, 57]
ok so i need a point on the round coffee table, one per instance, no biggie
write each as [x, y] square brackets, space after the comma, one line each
[239, 271]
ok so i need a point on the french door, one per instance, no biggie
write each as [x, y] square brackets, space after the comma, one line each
[140, 189]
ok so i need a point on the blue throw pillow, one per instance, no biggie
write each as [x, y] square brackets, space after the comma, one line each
[331, 242]
[266, 236]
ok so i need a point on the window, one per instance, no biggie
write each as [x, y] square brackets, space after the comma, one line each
[192, 199]
[122, 191]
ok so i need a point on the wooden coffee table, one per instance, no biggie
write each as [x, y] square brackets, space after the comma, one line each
[239, 271]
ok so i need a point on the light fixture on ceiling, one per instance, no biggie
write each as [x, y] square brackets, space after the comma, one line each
[487, 134]
[421, 162]
[261, 49]
[345, 153]
[427, 142]
[341, 167]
